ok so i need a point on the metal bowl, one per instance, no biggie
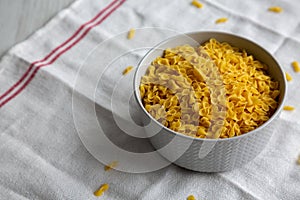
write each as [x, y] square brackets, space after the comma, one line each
[210, 155]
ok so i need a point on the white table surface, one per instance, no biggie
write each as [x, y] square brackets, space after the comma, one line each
[20, 18]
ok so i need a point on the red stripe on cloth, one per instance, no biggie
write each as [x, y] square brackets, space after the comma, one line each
[57, 48]
[59, 54]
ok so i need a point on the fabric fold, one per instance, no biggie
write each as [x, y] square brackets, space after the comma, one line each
[42, 156]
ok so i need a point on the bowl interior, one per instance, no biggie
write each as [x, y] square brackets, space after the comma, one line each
[196, 39]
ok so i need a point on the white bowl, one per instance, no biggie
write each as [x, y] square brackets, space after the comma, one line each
[210, 155]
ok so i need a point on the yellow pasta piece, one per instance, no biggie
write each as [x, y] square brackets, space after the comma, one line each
[296, 66]
[288, 108]
[131, 34]
[298, 161]
[275, 9]
[288, 76]
[127, 70]
[110, 166]
[221, 20]
[197, 4]
[191, 197]
[101, 190]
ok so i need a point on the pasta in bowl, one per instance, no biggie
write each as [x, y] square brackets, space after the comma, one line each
[215, 94]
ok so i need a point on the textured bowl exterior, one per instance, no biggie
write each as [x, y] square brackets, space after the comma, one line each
[225, 155]
[219, 154]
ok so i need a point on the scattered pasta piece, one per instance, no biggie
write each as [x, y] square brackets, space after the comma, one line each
[191, 197]
[288, 108]
[101, 190]
[221, 20]
[275, 9]
[298, 161]
[296, 66]
[197, 4]
[131, 34]
[110, 166]
[127, 70]
[288, 76]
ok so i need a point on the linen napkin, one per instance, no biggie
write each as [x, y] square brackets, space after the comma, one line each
[49, 82]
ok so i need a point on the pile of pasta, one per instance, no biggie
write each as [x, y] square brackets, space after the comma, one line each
[212, 91]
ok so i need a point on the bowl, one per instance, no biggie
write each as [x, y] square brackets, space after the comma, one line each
[209, 155]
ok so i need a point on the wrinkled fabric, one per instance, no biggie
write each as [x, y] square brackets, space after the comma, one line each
[42, 156]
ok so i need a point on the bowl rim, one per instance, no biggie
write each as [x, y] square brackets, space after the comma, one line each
[274, 115]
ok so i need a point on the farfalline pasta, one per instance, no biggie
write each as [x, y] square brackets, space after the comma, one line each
[288, 76]
[275, 9]
[197, 4]
[296, 66]
[186, 86]
[131, 34]
[101, 190]
[127, 70]
[221, 20]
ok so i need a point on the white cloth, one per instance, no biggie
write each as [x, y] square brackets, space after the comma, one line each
[42, 156]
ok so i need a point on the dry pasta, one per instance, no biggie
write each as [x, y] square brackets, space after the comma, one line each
[288, 76]
[288, 108]
[101, 190]
[180, 95]
[127, 70]
[221, 20]
[298, 160]
[191, 197]
[111, 165]
[197, 4]
[131, 34]
[296, 66]
[275, 9]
